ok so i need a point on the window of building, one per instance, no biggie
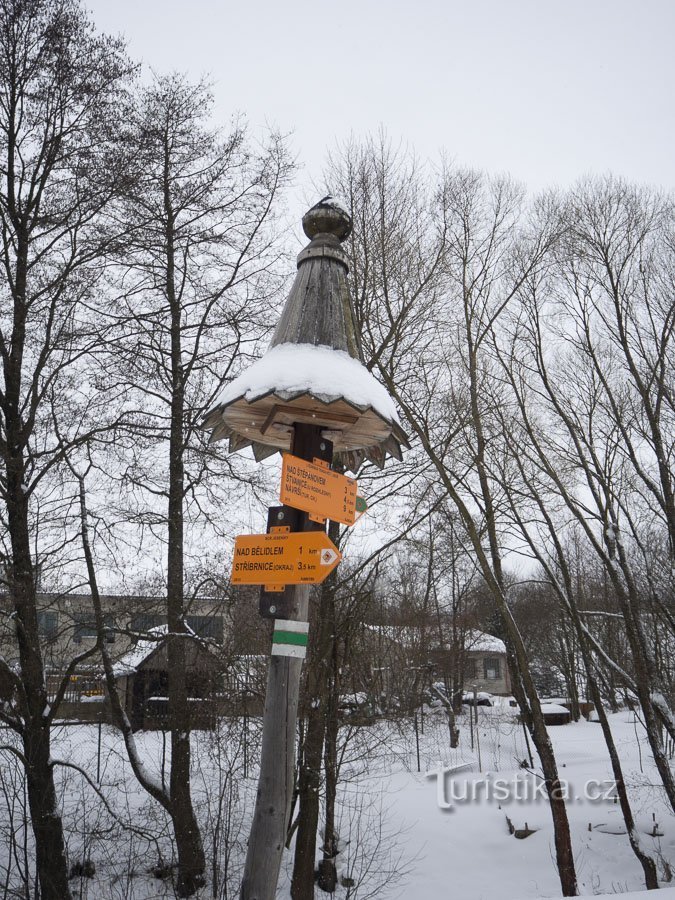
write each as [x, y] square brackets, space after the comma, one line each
[207, 626]
[492, 667]
[143, 622]
[85, 627]
[48, 623]
[470, 669]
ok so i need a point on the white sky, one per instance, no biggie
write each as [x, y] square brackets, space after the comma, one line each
[545, 90]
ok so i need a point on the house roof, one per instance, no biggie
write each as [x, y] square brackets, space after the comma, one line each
[409, 635]
[145, 648]
[130, 662]
[482, 642]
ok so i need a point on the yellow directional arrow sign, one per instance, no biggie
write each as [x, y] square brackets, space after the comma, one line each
[317, 490]
[299, 557]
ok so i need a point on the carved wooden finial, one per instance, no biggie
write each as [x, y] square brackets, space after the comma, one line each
[327, 217]
[318, 310]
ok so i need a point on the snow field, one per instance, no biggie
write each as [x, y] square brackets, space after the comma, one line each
[395, 840]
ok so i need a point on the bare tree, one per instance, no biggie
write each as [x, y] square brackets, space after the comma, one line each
[443, 261]
[197, 278]
[61, 98]
[584, 419]
[534, 510]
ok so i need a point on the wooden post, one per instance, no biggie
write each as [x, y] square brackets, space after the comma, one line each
[417, 741]
[475, 709]
[277, 762]
[471, 718]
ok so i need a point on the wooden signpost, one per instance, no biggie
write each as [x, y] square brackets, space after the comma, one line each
[284, 558]
[318, 490]
[296, 552]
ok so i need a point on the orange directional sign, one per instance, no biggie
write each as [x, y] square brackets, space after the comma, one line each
[299, 557]
[316, 490]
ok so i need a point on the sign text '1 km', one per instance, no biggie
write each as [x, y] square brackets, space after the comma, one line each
[317, 490]
[298, 557]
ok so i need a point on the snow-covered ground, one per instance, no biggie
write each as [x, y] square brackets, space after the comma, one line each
[396, 840]
[466, 851]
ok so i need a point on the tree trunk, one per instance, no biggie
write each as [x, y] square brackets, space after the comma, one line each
[452, 727]
[572, 609]
[50, 853]
[528, 701]
[646, 681]
[51, 862]
[318, 673]
[52, 867]
[191, 860]
[450, 713]
[568, 653]
[647, 862]
[309, 780]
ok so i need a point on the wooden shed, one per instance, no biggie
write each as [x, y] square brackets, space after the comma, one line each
[142, 676]
[555, 714]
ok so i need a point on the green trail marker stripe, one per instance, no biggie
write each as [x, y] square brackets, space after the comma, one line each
[290, 637]
[361, 505]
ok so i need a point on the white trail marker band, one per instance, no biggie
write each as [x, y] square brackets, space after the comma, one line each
[290, 638]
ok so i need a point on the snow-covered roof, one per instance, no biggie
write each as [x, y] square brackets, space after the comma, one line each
[409, 635]
[130, 662]
[554, 709]
[290, 370]
[482, 642]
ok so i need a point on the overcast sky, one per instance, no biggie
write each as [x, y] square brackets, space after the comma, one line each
[544, 90]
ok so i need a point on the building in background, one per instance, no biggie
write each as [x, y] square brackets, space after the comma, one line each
[226, 671]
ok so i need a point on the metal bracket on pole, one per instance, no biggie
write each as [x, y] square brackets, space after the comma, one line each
[279, 604]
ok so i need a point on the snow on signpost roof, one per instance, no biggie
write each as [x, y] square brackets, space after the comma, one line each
[313, 371]
[290, 370]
